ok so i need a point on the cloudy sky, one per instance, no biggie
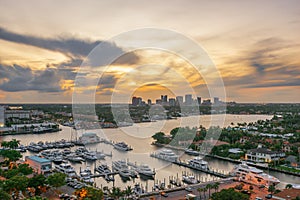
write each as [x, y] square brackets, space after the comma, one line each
[253, 44]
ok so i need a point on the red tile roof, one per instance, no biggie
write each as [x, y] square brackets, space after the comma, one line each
[288, 194]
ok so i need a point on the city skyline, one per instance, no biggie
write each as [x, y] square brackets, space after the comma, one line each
[187, 99]
[254, 46]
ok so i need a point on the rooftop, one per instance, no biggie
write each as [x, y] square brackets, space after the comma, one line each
[287, 194]
[38, 159]
[263, 150]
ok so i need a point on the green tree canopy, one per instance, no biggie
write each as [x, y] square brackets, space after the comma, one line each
[11, 155]
[4, 195]
[57, 179]
[229, 194]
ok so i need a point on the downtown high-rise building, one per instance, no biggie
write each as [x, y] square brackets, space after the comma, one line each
[188, 99]
[199, 100]
[136, 101]
[172, 102]
[179, 100]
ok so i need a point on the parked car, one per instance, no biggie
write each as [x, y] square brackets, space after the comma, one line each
[268, 196]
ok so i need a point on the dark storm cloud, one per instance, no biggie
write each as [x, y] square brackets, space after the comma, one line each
[68, 46]
[107, 81]
[17, 78]
[72, 46]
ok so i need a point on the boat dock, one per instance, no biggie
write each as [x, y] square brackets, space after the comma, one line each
[96, 175]
[211, 172]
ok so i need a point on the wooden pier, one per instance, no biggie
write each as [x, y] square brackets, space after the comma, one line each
[96, 175]
[214, 173]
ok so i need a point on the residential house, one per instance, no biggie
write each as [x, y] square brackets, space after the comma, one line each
[263, 155]
[292, 161]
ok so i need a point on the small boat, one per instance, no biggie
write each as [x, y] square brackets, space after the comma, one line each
[122, 146]
[189, 179]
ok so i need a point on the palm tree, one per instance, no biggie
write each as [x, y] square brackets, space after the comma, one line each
[271, 189]
[209, 187]
[116, 192]
[4, 144]
[216, 186]
[128, 191]
[200, 190]
[204, 192]
[13, 144]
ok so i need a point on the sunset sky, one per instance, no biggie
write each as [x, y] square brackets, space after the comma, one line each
[255, 46]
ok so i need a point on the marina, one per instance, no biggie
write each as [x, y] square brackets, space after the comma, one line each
[141, 152]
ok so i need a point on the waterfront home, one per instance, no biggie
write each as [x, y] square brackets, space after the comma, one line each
[263, 155]
[39, 165]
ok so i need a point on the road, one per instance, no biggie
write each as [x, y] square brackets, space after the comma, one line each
[180, 195]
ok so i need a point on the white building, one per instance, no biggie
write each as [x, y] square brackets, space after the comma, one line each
[21, 114]
[263, 155]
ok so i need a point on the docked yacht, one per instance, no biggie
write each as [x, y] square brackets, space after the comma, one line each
[198, 163]
[75, 158]
[165, 154]
[253, 175]
[125, 173]
[118, 165]
[85, 176]
[66, 168]
[189, 179]
[121, 166]
[122, 146]
[89, 138]
[145, 170]
[103, 169]
[191, 152]
[90, 156]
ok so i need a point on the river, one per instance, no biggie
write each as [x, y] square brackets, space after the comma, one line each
[139, 137]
